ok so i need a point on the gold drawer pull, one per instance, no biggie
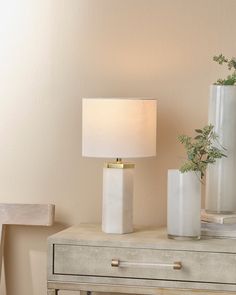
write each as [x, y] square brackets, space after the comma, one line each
[177, 265]
[115, 262]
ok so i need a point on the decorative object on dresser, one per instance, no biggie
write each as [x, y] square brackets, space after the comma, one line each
[118, 128]
[23, 214]
[83, 258]
[218, 218]
[218, 225]
[184, 205]
[217, 230]
[220, 180]
[184, 185]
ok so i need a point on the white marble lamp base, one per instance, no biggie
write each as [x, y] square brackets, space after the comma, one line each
[117, 212]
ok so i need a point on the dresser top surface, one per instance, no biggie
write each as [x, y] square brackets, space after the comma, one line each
[142, 237]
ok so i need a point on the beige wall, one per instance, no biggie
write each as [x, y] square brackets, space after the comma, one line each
[52, 53]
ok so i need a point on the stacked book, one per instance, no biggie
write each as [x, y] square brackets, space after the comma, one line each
[218, 225]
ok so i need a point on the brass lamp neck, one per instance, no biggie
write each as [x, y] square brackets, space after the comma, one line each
[118, 164]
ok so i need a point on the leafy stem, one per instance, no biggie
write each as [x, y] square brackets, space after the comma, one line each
[231, 64]
[202, 150]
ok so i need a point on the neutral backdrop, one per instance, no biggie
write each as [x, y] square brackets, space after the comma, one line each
[53, 53]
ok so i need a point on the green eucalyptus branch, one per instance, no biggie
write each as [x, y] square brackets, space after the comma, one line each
[231, 63]
[202, 150]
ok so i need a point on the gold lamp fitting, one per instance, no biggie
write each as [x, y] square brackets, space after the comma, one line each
[119, 165]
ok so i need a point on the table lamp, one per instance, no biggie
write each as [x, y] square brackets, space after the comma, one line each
[118, 128]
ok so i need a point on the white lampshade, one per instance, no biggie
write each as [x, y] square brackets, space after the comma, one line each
[119, 127]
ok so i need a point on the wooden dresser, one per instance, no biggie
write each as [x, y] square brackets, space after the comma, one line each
[143, 262]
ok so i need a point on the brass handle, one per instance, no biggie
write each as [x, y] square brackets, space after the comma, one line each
[177, 265]
[115, 262]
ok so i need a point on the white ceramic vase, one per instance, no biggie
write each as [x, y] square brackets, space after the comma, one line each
[183, 205]
[221, 176]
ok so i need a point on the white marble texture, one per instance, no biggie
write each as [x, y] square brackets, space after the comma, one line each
[220, 183]
[117, 212]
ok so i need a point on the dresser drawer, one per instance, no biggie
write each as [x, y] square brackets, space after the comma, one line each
[144, 263]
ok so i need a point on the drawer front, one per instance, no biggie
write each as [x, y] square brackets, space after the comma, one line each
[144, 263]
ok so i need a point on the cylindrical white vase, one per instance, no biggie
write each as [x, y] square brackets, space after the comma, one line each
[221, 176]
[183, 205]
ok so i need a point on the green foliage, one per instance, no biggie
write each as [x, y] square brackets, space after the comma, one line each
[231, 63]
[201, 150]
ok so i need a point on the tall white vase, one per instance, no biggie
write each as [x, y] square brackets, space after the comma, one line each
[221, 176]
[183, 205]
